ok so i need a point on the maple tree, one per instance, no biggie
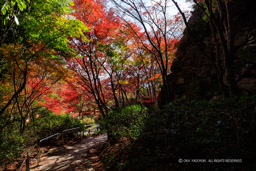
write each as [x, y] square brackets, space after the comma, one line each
[38, 39]
[157, 35]
[114, 61]
[89, 65]
[143, 70]
[65, 97]
[108, 66]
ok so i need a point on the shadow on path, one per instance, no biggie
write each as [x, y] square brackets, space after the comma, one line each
[76, 157]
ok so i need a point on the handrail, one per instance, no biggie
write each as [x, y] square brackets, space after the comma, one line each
[66, 130]
[48, 137]
[71, 129]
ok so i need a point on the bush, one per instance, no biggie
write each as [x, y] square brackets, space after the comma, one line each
[124, 122]
[198, 129]
[88, 121]
[51, 124]
[224, 129]
[13, 143]
[222, 125]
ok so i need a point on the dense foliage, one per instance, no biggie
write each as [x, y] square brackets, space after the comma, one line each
[224, 129]
[34, 45]
[124, 122]
[12, 143]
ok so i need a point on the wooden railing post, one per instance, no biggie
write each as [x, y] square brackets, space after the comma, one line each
[62, 137]
[38, 153]
[27, 162]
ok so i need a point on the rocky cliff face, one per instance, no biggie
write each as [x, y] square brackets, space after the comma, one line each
[193, 76]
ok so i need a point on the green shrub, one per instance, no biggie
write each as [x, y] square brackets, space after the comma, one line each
[124, 122]
[13, 143]
[51, 124]
[199, 129]
[193, 129]
[88, 121]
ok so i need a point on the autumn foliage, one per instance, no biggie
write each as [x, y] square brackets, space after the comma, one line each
[76, 58]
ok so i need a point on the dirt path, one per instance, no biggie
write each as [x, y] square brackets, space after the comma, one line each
[76, 158]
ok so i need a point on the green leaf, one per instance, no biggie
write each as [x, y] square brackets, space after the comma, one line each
[204, 18]
[6, 20]
[13, 3]
[4, 9]
[20, 6]
[23, 4]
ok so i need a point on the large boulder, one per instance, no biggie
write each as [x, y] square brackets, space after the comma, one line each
[192, 75]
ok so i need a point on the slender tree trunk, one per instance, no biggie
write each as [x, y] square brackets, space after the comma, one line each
[114, 92]
[165, 86]
[125, 95]
[137, 89]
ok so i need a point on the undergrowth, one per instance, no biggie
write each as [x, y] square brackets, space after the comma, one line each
[224, 129]
[13, 143]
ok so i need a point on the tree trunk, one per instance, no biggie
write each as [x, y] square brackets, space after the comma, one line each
[114, 92]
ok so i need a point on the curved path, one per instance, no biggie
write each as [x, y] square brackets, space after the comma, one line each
[74, 157]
